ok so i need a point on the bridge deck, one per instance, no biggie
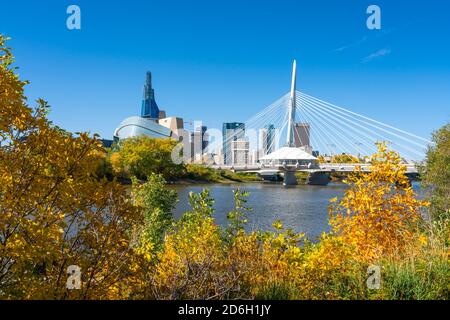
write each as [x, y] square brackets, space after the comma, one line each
[327, 167]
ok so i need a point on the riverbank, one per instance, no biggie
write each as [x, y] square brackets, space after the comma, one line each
[204, 174]
[187, 182]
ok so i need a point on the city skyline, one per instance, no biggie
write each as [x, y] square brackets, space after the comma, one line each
[238, 154]
[396, 75]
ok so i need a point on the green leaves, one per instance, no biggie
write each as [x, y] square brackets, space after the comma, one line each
[238, 217]
[436, 174]
[201, 204]
[156, 203]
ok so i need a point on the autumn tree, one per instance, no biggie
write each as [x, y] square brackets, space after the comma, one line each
[142, 156]
[344, 158]
[436, 174]
[379, 213]
[54, 211]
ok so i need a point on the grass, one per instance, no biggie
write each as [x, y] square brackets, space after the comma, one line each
[423, 277]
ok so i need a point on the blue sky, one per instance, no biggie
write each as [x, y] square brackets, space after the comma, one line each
[221, 61]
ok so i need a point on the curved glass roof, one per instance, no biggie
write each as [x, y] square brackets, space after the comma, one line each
[288, 153]
[137, 126]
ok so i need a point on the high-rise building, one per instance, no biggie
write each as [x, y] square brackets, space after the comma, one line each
[267, 142]
[218, 157]
[149, 108]
[239, 152]
[253, 157]
[199, 142]
[231, 131]
[302, 135]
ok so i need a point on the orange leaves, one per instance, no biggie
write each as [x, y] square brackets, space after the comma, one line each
[380, 210]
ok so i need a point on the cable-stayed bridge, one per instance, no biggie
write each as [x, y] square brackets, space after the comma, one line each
[292, 132]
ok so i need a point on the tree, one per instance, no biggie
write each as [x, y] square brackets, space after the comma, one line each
[344, 158]
[379, 213]
[141, 156]
[157, 203]
[54, 211]
[436, 175]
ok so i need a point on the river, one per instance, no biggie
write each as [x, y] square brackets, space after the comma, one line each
[303, 208]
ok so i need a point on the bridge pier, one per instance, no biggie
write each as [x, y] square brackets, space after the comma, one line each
[318, 178]
[289, 178]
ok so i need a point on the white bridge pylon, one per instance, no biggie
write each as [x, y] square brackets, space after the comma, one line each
[324, 127]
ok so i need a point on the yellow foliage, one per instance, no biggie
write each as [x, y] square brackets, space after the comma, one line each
[380, 211]
[190, 265]
[54, 212]
[326, 266]
[142, 156]
[344, 158]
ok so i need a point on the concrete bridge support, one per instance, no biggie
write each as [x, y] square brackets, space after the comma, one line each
[289, 178]
[318, 178]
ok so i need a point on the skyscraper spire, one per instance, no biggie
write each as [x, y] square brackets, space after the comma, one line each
[149, 107]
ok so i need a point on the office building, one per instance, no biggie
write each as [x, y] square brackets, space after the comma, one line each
[267, 139]
[302, 135]
[240, 152]
[199, 142]
[231, 131]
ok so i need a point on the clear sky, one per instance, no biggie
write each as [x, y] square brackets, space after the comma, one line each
[220, 61]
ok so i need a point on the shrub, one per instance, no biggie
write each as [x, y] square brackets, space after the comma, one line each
[380, 213]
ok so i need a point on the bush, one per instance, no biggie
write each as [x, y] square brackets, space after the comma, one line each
[202, 173]
[380, 213]
[156, 203]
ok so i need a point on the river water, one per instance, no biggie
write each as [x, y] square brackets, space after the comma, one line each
[303, 208]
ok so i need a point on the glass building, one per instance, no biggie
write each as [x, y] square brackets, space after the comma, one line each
[268, 139]
[149, 107]
[231, 131]
[136, 126]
